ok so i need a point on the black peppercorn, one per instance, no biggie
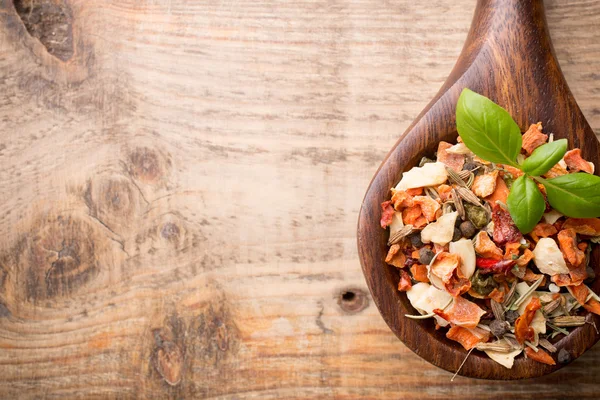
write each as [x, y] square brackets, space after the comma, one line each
[498, 328]
[563, 356]
[467, 229]
[511, 316]
[457, 235]
[415, 240]
[425, 255]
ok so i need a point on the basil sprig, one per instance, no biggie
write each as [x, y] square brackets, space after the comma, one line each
[489, 131]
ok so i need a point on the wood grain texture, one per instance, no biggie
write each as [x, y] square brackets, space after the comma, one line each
[508, 57]
[179, 198]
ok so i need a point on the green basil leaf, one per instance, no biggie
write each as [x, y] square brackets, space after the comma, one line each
[487, 129]
[575, 195]
[545, 157]
[525, 203]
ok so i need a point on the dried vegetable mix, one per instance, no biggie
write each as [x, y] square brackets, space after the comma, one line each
[492, 237]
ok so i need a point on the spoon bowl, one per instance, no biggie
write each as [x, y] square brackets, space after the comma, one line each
[507, 57]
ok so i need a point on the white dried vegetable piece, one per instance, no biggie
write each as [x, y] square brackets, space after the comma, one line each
[427, 298]
[397, 223]
[548, 258]
[430, 174]
[464, 248]
[459, 148]
[553, 288]
[505, 359]
[440, 231]
[552, 216]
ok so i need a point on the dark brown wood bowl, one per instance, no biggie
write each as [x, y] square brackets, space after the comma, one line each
[508, 57]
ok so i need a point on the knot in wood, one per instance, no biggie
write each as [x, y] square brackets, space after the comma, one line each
[353, 300]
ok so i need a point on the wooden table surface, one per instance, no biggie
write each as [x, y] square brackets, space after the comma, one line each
[180, 188]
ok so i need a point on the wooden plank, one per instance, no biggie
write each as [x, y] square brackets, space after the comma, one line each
[179, 198]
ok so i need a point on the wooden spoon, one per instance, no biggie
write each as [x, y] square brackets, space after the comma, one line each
[508, 57]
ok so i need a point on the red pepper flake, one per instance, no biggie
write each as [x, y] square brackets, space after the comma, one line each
[405, 282]
[387, 214]
[491, 266]
[505, 230]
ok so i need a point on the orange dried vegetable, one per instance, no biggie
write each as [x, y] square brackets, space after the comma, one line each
[395, 257]
[580, 292]
[525, 258]
[446, 267]
[496, 295]
[592, 306]
[429, 207]
[444, 192]
[544, 230]
[557, 170]
[405, 282]
[468, 338]
[576, 163]
[533, 138]
[401, 199]
[500, 193]
[583, 226]
[515, 172]
[419, 273]
[523, 331]
[541, 356]
[484, 185]
[486, 248]
[387, 213]
[462, 312]
[454, 161]
[511, 250]
[530, 276]
[411, 214]
[415, 191]
[567, 240]
[577, 274]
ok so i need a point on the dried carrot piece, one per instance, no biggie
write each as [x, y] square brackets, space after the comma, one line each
[462, 312]
[592, 306]
[544, 230]
[500, 193]
[405, 282]
[496, 295]
[468, 338]
[523, 331]
[515, 172]
[395, 257]
[512, 249]
[576, 163]
[556, 170]
[486, 248]
[419, 272]
[454, 161]
[415, 191]
[525, 258]
[567, 240]
[541, 356]
[411, 214]
[444, 191]
[401, 199]
[533, 138]
[429, 207]
[580, 292]
[584, 226]
[530, 276]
